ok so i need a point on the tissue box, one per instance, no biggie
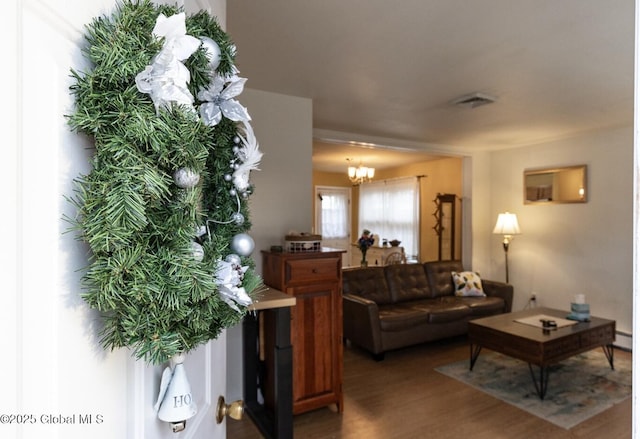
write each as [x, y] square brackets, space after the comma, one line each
[580, 307]
[580, 312]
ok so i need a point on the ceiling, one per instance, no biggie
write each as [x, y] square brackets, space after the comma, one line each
[384, 74]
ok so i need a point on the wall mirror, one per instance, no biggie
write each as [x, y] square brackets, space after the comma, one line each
[556, 185]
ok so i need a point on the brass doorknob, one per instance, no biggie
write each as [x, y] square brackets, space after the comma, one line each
[235, 410]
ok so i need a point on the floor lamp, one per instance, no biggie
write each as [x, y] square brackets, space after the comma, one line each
[507, 225]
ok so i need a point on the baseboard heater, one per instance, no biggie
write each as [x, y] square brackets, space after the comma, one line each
[624, 340]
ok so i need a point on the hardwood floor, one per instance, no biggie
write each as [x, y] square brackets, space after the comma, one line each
[404, 397]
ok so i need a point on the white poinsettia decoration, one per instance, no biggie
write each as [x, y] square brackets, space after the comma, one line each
[229, 280]
[249, 155]
[166, 79]
[218, 100]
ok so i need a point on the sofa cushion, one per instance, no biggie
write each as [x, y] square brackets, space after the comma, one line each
[439, 273]
[401, 316]
[467, 283]
[483, 306]
[443, 309]
[407, 282]
[368, 282]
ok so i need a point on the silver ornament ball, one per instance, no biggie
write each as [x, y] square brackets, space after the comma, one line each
[213, 52]
[186, 178]
[242, 244]
[233, 259]
[238, 218]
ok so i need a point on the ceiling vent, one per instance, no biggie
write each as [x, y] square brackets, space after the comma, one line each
[473, 100]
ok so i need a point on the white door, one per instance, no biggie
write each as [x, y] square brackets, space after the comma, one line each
[58, 382]
[333, 219]
[206, 369]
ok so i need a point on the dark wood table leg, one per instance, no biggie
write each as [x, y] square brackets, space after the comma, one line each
[273, 422]
[608, 351]
[283, 364]
[542, 381]
[250, 355]
[474, 352]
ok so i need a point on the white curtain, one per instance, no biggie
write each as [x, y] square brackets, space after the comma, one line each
[334, 215]
[391, 209]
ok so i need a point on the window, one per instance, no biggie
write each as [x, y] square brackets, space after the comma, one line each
[334, 214]
[333, 219]
[391, 209]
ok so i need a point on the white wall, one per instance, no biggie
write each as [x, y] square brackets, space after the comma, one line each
[477, 204]
[281, 201]
[565, 249]
[53, 364]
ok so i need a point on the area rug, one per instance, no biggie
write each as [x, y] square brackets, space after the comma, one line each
[579, 387]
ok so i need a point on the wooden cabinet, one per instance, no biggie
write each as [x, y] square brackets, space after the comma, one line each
[315, 280]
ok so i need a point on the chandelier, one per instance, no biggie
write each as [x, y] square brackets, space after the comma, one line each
[360, 174]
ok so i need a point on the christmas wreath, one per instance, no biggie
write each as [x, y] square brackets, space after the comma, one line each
[164, 208]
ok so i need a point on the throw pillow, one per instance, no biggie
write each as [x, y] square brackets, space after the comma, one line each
[467, 283]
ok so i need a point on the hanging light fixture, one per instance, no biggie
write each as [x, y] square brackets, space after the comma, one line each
[360, 174]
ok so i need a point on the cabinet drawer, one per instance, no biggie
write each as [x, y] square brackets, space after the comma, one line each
[311, 270]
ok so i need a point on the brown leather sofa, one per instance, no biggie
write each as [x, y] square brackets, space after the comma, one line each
[400, 305]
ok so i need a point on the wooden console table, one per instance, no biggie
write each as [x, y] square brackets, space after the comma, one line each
[274, 417]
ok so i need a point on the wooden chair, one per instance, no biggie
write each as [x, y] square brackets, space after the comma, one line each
[395, 258]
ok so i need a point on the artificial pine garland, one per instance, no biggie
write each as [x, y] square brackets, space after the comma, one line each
[155, 296]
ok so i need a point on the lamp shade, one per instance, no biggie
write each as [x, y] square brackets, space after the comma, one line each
[507, 224]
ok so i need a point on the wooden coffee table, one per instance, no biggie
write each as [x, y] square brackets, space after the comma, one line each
[537, 346]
